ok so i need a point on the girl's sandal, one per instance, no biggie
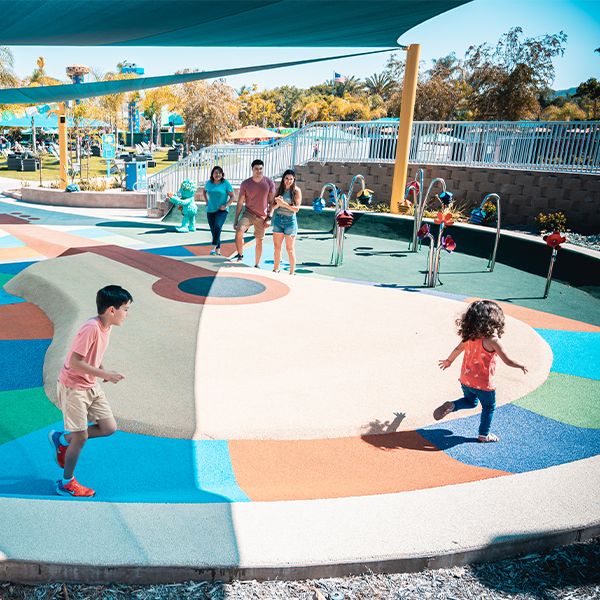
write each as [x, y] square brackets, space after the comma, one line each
[486, 439]
[275, 270]
[443, 411]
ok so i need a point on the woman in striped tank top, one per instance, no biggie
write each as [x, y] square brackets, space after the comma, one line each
[480, 329]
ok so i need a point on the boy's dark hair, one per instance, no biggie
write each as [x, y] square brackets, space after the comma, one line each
[257, 162]
[112, 295]
[483, 319]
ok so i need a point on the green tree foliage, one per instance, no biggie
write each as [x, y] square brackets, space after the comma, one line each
[382, 85]
[588, 93]
[442, 92]
[506, 81]
[7, 75]
[210, 111]
[568, 111]
[258, 109]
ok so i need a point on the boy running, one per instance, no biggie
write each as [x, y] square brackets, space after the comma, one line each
[80, 397]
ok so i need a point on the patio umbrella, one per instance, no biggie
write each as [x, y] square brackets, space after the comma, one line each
[252, 132]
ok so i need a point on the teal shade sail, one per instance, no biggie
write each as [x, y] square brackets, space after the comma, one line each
[306, 23]
[61, 93]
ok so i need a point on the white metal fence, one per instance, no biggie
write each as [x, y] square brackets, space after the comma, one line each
[572, 146]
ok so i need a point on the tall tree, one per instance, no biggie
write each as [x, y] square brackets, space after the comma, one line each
[589, 93]
[7, 75]
[506, 81]
[209, 110]
[381, 84]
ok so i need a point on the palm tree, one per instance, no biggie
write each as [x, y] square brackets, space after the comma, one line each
[39, 75]
[352, 85]
[7, 77]
[381, 84]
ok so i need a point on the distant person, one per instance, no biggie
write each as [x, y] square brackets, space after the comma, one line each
[255, 198]
[480, 328]
[17, 148]
[287, 203]
[316, 149]
[218, 195]
[80, 397]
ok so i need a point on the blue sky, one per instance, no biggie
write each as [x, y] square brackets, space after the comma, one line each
[474, 23]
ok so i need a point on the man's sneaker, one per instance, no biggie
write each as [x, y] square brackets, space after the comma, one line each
[60, 451]
[73, 488]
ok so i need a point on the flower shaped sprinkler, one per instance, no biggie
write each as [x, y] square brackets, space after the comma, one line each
[443, 219]
[420, 207]
[343, 220]
[553, 240]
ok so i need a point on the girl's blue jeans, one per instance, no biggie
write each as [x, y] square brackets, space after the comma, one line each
[216, 220]
[472, 397]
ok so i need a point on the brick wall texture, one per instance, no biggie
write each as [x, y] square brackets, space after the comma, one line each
[523, 194]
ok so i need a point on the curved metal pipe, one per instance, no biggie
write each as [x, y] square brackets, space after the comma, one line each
[418, 219]
[354, 180]
[490, 197]
[419, 176]
[429, 279]
[341, 203]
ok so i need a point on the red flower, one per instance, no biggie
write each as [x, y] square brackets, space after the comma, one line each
[423, 231]
[448, 244]
[445, 218]
[554, 240]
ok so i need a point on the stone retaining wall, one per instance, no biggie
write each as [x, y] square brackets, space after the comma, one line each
[523, 194]
[108, 199]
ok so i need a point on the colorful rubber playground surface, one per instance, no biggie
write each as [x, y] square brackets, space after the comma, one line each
[271, 423]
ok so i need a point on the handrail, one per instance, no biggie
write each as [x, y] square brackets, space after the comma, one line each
[552, 146]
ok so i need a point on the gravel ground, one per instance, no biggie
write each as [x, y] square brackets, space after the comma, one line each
[567, 572]
[587, 241]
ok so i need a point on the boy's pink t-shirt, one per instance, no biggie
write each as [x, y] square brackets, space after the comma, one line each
[257, 195]
[478, 366]
[90, 342]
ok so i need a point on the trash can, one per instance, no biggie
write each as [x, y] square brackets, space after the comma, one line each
[135, 175]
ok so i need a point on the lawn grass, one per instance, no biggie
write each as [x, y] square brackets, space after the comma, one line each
[97, 168]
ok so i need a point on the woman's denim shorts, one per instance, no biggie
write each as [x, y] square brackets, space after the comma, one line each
[286, 224]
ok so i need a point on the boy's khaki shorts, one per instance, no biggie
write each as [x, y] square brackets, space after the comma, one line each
[80, 406]
[247, 220]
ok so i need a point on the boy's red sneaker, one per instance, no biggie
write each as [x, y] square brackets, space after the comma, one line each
[73, 488]
[60, 451]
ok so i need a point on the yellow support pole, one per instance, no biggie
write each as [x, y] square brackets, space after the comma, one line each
[409, 94]
[62, 143]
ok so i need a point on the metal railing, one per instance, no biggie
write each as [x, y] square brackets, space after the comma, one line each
[552, 146]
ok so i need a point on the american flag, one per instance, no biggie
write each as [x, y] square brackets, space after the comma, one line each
[339, 78]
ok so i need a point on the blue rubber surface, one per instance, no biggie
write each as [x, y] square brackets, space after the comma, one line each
[22, 363]
[6, 298]
[575, 352]
[14, 267]
[124, 467]
[528, 441]
[169, 251]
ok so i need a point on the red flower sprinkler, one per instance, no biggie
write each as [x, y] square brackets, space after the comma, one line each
[553, 240]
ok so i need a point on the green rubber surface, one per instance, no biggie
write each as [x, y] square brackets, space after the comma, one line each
[566, 398]
[24, 411]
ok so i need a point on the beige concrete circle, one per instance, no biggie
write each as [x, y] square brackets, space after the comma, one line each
[329, 359]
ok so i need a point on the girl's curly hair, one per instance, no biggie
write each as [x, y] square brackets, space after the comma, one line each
[483, 319]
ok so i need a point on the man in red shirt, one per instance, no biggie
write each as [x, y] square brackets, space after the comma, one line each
[255, 197]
